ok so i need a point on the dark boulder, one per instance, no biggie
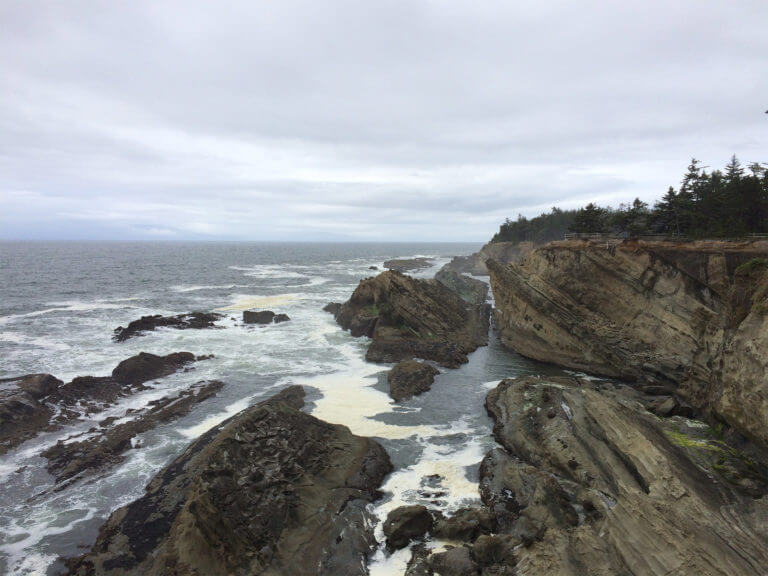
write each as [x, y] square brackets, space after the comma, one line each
[465, 524]
[454, 562]
[39, 385]
[22, 416]
[405, 524]
[272, 490]
[193, 320]
[410, 378]
[144, 367]
[263, 317]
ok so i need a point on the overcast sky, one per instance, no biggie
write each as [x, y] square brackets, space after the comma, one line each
[361, 119]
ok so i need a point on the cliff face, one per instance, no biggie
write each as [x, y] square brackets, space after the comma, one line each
[692, 316]
[504, 252]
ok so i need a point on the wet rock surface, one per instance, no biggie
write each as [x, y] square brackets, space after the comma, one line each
[410, 378]
[690, 316]
[38, 402]
[263, 317]
[410, 318]
[407, 264]
[407, 523]
[272, 490]
[469, 289]
[586, 481]
[193, 320]
[605, 487]
[108, 445]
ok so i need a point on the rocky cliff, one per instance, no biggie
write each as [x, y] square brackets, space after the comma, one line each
[271, 491]
[504, 252]
[587, 482]
[691, 316]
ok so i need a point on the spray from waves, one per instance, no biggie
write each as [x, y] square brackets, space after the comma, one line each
[36, 341]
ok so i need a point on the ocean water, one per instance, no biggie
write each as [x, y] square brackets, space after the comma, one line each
[60, 302]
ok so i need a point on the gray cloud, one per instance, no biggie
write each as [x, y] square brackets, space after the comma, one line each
[365, 120]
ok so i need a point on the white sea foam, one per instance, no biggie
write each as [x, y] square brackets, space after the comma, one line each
[38, 341]
[248, 301]
[184, 289]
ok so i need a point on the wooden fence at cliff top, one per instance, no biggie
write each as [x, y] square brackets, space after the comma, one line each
[658, 237]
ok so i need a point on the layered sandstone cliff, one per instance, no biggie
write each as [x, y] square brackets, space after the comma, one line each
[691, 316]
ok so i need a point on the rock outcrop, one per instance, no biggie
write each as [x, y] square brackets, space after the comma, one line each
[263, 317]
[193, 320]
[410, 378]
[591, 483]
[410, 318]
[106, 446]
[469, 289]
[689, 315]
[407, 264]
[37, 402]
[406, 523]
[588, 482]
[272, 490]
[503, 252]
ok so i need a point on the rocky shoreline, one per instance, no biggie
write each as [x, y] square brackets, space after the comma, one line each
[272, 490]
[662, 473]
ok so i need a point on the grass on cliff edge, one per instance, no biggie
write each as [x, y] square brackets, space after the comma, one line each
[751, 267]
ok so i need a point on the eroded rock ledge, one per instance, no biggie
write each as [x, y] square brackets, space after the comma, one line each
[411, 318]
[588, 482]
[693, 316]
[37, 402]
[273, 490]
[193, 320]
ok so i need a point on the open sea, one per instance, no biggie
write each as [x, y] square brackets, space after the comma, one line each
[59, 305]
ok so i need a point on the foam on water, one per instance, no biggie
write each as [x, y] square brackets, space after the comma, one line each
[248, 301]
[70, 337]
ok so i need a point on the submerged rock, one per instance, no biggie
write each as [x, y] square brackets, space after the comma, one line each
[410, 378]
[272, 490]
[407, 264]
[263, 317]
[469, 289]
[410, 318]
[193, 320]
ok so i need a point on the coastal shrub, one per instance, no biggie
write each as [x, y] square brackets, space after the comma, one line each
[751, 267]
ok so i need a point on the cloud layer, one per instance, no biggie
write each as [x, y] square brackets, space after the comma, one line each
[376, 120]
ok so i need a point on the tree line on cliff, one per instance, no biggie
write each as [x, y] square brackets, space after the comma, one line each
[723, 203]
